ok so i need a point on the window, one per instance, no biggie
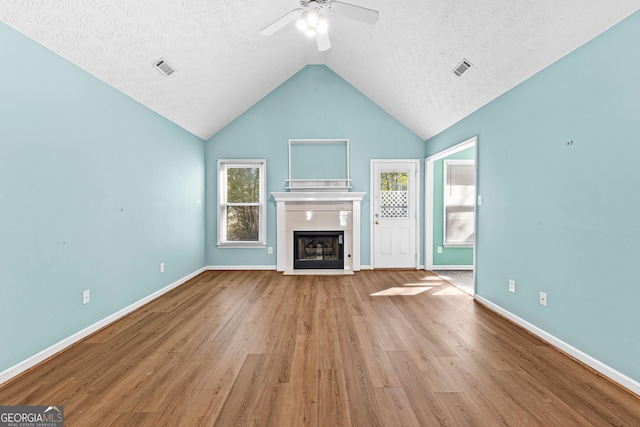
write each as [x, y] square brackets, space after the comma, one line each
[241, 203]
[459, 201]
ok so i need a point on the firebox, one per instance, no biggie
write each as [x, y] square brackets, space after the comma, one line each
[318, 249]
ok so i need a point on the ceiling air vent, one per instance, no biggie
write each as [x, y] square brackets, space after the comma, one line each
[163, 67]
[462, 67]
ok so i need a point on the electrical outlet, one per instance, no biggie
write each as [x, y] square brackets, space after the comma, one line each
[162, 267]
[439, 249]
[269, 250]
[543, 298]
[512, 286]
[86, 296]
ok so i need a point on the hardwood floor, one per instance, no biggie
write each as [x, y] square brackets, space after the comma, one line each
[259, 348]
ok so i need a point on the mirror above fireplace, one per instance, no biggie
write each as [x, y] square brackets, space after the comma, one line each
[318, 165]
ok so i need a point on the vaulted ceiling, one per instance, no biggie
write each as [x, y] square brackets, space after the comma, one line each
[404, 63]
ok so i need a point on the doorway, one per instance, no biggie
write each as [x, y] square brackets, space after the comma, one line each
[394, 213]
[450, 222]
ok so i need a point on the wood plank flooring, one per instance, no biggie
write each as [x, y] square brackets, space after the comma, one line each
[235, 348]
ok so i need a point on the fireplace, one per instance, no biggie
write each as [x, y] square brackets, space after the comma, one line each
[318, 212]
[318, 249]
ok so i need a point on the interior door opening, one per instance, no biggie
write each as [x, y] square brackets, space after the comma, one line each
[451, 195]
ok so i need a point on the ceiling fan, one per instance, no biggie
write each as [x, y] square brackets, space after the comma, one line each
[311, 19]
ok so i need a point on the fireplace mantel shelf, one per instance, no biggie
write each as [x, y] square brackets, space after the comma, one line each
[318, 196]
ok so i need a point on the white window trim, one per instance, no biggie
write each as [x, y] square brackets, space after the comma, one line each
[446, 244]
[261, 164]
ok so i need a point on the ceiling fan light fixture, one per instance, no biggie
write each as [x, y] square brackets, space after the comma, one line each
[302, 24]
[311, 20]
[313, 16]
[322, 25]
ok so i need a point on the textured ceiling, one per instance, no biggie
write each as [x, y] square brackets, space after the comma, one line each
[223, 65]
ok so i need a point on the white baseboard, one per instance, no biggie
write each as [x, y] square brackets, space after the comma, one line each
[368, 267]
[452, 267]
[273, 267]
[258, 267]
[20, 367]
[607, 371]
[240, 267]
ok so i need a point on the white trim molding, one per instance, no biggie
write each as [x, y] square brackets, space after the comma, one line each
[452, 267]
[614, 375]
[37, 358]
[224, 165]
[318, 196]
[240, 267]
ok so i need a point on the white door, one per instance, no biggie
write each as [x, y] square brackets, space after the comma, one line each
[394, 214]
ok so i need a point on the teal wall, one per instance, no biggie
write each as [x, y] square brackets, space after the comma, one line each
[96, 191]
[314, 103]
[563, 218]
[451, 255]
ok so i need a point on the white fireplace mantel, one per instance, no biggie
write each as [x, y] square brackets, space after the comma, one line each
[318, 196]
[315, 200]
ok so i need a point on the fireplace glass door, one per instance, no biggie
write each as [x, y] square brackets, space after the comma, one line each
[318, 249]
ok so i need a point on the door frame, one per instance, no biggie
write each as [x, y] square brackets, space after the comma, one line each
[428, 201]
[416, 195]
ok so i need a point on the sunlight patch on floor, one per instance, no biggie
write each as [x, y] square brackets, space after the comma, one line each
[421, 285]
[450, 290]
[431, 279]
[412, 290]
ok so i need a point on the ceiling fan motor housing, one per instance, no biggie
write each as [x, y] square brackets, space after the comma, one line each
[305, 3]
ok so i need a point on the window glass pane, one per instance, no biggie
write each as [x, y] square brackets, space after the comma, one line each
[394, 195]
[394, 181]
[243, 223]
[460, 175]
[459, 200]
[243, 185]
[459, 226]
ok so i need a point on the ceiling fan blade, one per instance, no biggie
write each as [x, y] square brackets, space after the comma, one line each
[322, 39]
[281, 22]
[362, 14]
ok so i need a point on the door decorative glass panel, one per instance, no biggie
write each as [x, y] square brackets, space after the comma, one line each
[394, 195]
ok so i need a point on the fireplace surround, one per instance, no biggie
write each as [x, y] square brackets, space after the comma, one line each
[320, 211]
